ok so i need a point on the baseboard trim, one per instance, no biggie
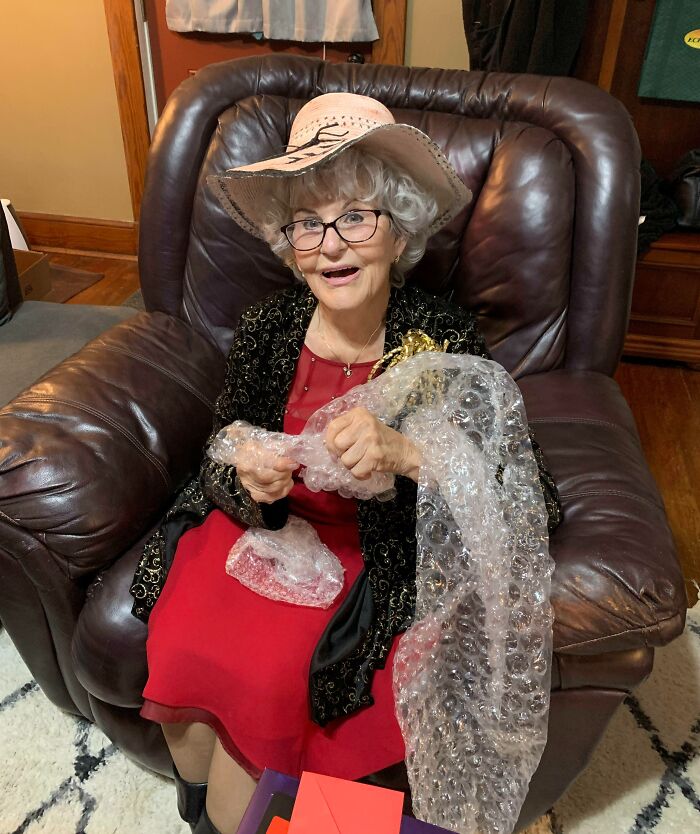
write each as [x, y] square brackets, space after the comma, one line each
[662, 347]
[81, 234]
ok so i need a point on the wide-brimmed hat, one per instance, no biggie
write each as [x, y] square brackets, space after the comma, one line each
[323, 129]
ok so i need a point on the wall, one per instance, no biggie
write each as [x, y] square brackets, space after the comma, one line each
[61, 148]
[435, 34]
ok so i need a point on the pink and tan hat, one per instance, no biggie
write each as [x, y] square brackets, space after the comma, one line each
[323, 129]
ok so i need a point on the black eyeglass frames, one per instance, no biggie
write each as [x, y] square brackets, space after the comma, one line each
[352, 227]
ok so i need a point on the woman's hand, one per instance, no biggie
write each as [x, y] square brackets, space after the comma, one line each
[266, 476]
[365, 445]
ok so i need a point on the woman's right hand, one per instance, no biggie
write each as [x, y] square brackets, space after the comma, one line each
[266, 476]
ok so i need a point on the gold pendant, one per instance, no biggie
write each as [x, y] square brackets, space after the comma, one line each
[347, 370]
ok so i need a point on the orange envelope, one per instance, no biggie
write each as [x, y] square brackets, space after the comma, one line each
[278, 826]
[326, 805]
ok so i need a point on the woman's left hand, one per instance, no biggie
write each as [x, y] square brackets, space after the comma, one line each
[365, 445]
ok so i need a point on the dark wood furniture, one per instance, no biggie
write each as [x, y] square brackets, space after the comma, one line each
[665, 316]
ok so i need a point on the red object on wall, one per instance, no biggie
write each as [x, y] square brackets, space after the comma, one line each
[176, 55]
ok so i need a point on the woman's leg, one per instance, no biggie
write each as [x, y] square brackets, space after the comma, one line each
[230, 790]
[191, 746]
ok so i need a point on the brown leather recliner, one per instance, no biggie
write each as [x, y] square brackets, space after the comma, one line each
[91, 454]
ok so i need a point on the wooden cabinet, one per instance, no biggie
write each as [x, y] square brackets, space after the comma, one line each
[665, 316]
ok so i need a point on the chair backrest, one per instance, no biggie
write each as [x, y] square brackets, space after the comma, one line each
[544, 255]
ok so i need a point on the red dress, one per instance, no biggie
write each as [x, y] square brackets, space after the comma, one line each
[223, 655]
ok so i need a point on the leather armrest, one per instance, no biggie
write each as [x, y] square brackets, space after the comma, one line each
[91, 453]
[617, 584]
[109, 644]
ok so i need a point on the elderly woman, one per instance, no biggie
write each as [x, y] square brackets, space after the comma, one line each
[240, 682]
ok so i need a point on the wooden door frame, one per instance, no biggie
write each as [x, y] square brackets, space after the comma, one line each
[131, 98]
[613, 38]
[390, 16]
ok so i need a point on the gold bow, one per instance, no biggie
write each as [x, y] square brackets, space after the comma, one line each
[413, 342]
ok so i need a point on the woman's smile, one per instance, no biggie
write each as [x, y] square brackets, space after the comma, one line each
[340, 276]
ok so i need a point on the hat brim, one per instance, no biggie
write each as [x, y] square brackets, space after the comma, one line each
[243, 191]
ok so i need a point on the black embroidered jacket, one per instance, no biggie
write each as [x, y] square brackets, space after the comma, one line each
[380, 604]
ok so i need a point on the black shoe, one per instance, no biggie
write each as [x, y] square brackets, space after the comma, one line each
[205, 825]
[191, 797]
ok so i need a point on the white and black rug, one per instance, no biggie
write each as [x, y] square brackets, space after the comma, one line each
[61, 775]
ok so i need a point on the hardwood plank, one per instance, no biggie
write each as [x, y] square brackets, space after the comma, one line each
[665, 402]
[85, 253]
[121, 278]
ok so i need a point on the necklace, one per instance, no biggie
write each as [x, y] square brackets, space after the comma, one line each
[347, 370]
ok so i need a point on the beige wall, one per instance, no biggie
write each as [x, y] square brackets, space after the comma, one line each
[435, 34]
[61, 148]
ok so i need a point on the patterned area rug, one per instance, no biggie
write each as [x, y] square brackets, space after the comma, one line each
[61, 775]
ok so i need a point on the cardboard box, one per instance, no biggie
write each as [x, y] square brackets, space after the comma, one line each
[34, 274]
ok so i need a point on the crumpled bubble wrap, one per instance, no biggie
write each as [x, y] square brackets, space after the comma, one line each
[320, 470]
[472, 674]
[292, 565]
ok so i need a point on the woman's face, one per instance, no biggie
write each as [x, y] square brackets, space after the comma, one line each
[343, 276]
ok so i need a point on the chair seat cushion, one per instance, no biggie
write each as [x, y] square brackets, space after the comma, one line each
[617, 584]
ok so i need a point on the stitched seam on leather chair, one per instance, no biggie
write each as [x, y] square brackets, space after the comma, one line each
[8, 518]
[618, 492]
[643, 630]
[129, 436]
[209, 403]
[582, 420]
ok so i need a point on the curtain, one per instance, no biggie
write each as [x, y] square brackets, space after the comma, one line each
[316, 21]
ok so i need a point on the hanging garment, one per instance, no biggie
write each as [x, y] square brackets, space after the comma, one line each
[659, 211]
[538, 36]
[315, 21]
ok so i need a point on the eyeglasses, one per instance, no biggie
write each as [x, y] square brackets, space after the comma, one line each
[352, 227]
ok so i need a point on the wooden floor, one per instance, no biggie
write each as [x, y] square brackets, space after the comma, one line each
[664, 398]
[665, 401]
[121, 276]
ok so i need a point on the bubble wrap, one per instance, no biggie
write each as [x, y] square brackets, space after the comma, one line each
[320, 470]
[472, 674]
[292, 564]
